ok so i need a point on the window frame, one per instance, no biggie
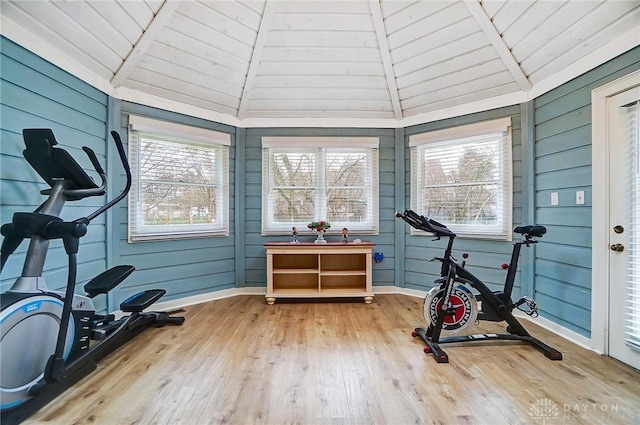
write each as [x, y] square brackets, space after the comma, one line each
[319, 146]
[631, 113]
[185, 135]
[464, 135]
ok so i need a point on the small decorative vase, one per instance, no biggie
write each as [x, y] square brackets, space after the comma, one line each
[320, 238]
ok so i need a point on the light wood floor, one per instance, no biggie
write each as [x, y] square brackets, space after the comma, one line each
[240, 361]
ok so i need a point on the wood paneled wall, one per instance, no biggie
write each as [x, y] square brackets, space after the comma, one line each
[187, 267]
[37, 94]
[563, 164]
[255, 261]
[485, 257]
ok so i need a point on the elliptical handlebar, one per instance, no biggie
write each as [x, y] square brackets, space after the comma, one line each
[423, 223]
[26, 225]
[125, 164]
[94, 159]
[76, 194]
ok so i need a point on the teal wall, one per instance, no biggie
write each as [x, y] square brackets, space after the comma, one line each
[182, 267]
[562, 164]
[551, 152]
[255, 260]
[485, 256]
[35, 93]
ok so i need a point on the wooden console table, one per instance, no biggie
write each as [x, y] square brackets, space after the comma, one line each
[309, 270]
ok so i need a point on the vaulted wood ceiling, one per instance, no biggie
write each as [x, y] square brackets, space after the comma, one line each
[365, 62]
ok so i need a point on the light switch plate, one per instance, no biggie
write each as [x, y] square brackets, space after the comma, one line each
[554, 198]
[580, 197]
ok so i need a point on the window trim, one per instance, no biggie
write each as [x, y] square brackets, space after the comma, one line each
[195, 136]
[316, 143]
[171, 129]
[501, 125]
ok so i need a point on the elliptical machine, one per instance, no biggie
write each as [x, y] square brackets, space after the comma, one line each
[49, 340]
[451, 306]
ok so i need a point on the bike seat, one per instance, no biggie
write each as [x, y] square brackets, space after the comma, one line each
[531, 230]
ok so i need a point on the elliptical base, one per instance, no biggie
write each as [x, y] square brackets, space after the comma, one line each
[130, 327]
[48, 393]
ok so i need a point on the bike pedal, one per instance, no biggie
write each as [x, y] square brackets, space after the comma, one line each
[532, 305]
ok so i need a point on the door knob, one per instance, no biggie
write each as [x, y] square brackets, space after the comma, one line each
[617, 247]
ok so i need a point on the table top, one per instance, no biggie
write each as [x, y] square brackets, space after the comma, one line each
[319, 245]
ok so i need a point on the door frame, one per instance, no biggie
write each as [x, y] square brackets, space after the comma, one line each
[600, 207]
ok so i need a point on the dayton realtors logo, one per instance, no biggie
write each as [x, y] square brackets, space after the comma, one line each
[547, 411]
[544, 410]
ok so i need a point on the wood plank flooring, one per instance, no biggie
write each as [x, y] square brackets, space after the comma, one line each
[240, 361]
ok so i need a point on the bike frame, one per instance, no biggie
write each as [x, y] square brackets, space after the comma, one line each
[453, 271]
[498, 305]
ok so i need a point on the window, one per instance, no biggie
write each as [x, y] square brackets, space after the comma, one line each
[320, 178]
[632, 284]
[462, 177]
[180, 181]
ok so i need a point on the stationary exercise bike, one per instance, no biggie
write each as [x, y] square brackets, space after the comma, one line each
[451, 306]
[49, 340]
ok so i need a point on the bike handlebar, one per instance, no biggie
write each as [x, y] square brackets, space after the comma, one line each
[423, 223]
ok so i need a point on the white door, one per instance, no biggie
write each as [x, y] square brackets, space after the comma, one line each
[624, 227]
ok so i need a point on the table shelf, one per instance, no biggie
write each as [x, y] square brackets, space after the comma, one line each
[296, 271]
[308, 270]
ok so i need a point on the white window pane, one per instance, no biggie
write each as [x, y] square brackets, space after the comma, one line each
[167, 161]
[293, 206]
[632, 284]
[316, 183]
[347, 205]
[180, 187]
[462, 204]
[293, 169]
[465, 183]
[346, 169]
[165, 204]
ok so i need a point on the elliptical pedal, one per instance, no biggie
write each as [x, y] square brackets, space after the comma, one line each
[107, 280]
[138, 302]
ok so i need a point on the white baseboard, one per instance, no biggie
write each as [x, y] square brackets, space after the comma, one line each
[565, 333]
[227, 293]
[396, 290]
[200, 299]
[209, 296]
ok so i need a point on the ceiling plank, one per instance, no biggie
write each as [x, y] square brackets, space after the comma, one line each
[258, 49]
[498, 43]
[385, 54]
[146, 39]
